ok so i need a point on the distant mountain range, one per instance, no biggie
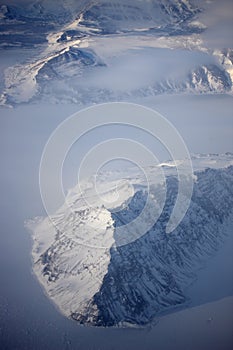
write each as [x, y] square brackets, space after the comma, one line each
[70, 40]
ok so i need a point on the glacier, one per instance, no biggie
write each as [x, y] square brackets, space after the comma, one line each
[108, 285]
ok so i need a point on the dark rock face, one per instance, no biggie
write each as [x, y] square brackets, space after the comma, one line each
[149, 275]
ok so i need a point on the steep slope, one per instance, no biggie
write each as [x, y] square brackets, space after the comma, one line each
[111, 285]
[150, 275]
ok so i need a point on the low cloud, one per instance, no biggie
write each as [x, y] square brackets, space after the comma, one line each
[141, 68]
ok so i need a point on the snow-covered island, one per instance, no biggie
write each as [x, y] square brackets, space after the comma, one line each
[96, 282]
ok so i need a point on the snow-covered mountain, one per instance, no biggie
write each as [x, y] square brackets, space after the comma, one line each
[81, 52]
[103, 16]
[95, 281]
